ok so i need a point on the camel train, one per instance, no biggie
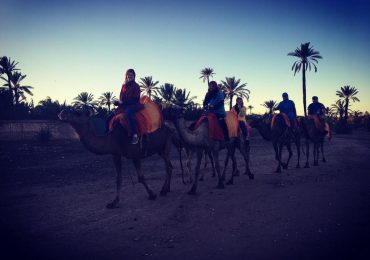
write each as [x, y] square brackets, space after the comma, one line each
[117, 143]
[137, 131]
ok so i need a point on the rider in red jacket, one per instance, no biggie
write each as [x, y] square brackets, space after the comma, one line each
[129, 102]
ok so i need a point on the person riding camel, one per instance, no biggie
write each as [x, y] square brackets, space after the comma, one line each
[318, 109]
[214, 103]
[241, 111]
[129, 103]
[287, 107]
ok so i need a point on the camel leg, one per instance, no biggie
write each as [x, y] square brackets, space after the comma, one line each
[220, 184]
[188, 164]
[231, 181]
[289, 147]
[315, 154]
[322, 151]
[277, 157]
[244, 149]
[212, 164]
[225, 164]
[182, 168]
[307, 165]
[298, 146]
[166, 155]
[141, 179]
[197, 168]
[118, 166]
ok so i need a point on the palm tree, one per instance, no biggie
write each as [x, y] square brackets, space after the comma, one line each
[206, 73]
[18, 89]
[84, 101]
[107, 99]
[148, 85]
[166, 93]
[347, 93]
[307, 57]
[270, 105]
[182, 100]
[8, 67]
[232, 88]
[250, 107]
[338, 108]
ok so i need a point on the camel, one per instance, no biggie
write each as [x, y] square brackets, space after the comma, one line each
[118, 143]
[199, 140]
[180, 145]
[280, 136]
[311, 133]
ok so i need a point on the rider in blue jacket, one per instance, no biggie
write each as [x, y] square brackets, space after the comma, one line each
[214, 103]
[287, 106]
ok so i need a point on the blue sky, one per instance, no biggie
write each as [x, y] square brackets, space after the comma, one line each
[66, 47]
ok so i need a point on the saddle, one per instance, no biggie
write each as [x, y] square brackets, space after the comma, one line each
[147, 119]
[282, 116]
[214, 129]
[321, 125]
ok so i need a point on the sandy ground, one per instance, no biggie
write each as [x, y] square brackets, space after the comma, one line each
[53, 197]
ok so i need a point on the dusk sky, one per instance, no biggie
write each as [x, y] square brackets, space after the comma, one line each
[67, 47]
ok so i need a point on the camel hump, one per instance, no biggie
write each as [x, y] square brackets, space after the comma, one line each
[148, 119]
[281, 116]
[319, 123]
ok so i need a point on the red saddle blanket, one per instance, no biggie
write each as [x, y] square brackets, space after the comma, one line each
[214, 129]
[285, 118]
[148, 119]
[321, 125]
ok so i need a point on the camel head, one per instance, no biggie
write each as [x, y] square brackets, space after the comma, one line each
[74, 117]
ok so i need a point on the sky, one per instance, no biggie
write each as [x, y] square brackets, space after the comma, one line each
[67, 47]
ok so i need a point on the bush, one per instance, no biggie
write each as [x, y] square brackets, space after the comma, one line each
[44, 135]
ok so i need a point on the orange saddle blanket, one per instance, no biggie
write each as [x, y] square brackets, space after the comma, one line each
[285, 118]
[214, 129]
[148, 119]
[321, 125]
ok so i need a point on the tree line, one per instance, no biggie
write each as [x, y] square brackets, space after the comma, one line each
[14, 105]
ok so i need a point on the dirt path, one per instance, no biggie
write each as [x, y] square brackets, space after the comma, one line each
[53, 207]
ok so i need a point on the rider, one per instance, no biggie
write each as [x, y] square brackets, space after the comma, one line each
[241, 110]
[214, 103]
[316, 108]
[129, 102]
[287, 107]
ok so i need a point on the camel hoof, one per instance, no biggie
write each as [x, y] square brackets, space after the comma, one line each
[152, 197]
[251, 176]
[285, 166]
[307, 166]
[316, 164]
[201, 179]
[278, 171]
[230, 182]
[192, 192]
[324, 160]
[298, 166]
[113, 204]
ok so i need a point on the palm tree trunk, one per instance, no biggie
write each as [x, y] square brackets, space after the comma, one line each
[346, 110]
[304, 88]
[10, 88]
[150, 94]
[231, 102]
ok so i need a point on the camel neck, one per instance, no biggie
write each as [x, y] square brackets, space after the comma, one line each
[94, 143]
